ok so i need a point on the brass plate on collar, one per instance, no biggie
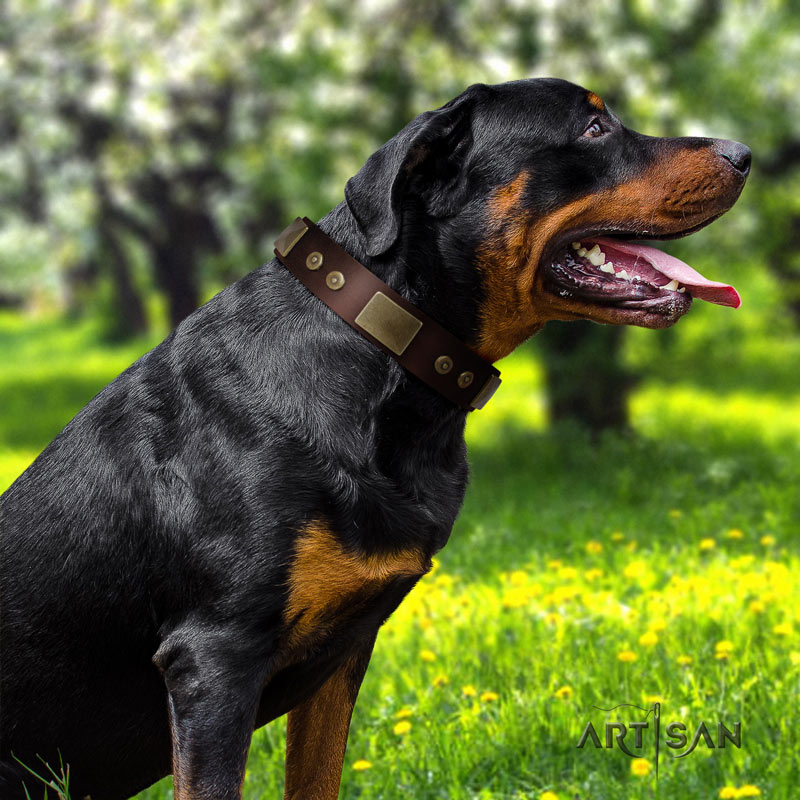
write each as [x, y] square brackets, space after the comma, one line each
[290, 236]
[388, 322]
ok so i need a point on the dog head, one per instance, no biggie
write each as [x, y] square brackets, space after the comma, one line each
[536, 189]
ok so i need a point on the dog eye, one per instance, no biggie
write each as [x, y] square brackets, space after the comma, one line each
[594, 130]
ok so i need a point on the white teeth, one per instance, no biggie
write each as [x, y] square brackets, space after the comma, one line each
[672, 285]
[607, 267]
[682, 289]
[623, 273]
[596, 255]
[576, 245]
[582, 252]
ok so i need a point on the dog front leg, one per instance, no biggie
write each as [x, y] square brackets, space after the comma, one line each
[317, 733]
[213, 697]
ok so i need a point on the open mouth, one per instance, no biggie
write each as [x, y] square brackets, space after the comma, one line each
[633, 280]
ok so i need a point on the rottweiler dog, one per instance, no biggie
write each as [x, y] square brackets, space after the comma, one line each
[216, 538]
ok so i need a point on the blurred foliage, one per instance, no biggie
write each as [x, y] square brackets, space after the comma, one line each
[155, 148]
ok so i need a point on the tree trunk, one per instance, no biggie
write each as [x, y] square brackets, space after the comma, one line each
[130, 318]
[586, 381]
[176, 273]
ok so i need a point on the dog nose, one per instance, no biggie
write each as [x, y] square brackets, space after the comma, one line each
[737, 154]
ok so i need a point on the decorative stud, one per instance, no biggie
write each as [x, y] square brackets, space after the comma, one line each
[443, 364]
[314, 260]
[465, 379]
[334, 280]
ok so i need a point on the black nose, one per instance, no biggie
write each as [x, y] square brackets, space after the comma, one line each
[737, 153]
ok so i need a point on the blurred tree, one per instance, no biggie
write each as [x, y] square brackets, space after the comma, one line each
[121, 118]
[585, 377]
[148, 145]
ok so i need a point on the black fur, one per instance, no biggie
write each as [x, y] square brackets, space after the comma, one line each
[148, 545]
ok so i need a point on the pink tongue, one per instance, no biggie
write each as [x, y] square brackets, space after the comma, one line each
[673, 268]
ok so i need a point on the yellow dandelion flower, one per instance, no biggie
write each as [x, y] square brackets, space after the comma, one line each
[568, 573]
[783, 629]
[517, 597]
[548, 796]
[469, 690]
[641, 767]
[593, 546]
[403, 713]
[794, 657]
[562, 593]
[441, 680]
[593, 574]
[402, 727]
[648, 639]
[563, 693]
[658, 624]
[553, 618]
[749, 790]
[630, 546]
[627, 655]
[707, 544]
[675, 513]
[684, 661]
[361, 764]
[635, 570]
[489, 697]
[768, 541]
[435, 564]
[734, 533]
[724, 646]
[727, 792]
[444, 580]
[427, 655]
[653, 698]
[518, 577]
[617, 536]
[757, 607]
[722, 655]
[555, 564]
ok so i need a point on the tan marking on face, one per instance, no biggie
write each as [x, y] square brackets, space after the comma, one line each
[508, 265]
[506, 199]
[324, 573]
[677, 193]
[596, 101]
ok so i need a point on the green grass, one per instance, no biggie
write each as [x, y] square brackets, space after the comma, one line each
[566, 554]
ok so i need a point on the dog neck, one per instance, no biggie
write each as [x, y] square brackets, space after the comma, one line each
[396, 399]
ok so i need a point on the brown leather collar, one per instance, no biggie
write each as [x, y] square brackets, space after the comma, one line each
[384, 317]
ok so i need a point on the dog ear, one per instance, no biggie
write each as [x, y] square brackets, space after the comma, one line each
[427, 159]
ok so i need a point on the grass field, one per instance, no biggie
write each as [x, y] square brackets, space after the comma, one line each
[657, 567]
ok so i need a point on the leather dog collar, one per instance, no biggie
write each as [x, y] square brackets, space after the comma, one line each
[384, 317]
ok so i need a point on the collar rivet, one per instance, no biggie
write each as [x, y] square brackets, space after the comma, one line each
[334, 280]
[443, 364]
[465, 379]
